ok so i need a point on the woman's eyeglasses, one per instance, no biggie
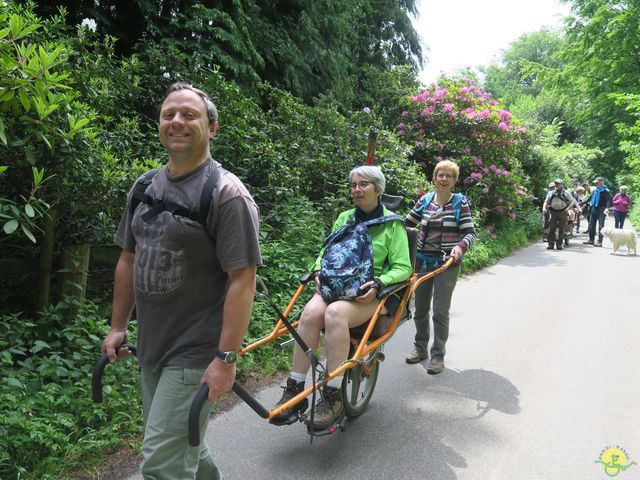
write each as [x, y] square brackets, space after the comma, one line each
[361, 185]
[444, 175]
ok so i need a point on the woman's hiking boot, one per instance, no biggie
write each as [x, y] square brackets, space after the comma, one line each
[328, 410]
[292, 389]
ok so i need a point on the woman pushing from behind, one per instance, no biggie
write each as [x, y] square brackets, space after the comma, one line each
[445, 225]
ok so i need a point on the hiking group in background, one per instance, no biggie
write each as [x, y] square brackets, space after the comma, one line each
[563, 208]
[599, 204]
[621, 204]
[558, 206]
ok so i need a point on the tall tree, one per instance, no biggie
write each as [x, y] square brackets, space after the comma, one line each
[316, 50]
[602, 54]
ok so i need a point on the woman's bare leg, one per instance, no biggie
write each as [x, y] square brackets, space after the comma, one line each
[311, 323]
[339, 317]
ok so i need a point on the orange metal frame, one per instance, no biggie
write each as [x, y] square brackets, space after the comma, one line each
[362, 346]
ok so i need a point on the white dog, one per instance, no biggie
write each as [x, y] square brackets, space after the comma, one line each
[620, 237]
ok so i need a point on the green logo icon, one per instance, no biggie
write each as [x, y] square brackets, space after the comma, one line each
[614, 460]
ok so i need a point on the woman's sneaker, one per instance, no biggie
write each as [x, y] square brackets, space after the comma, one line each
[292, 389]
[328, 410]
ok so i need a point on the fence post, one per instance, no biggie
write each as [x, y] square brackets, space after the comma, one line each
[46, 260]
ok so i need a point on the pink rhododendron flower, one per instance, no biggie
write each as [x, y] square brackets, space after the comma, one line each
[503, 126]
[467, 150]
[448, 107]
[439, 94]
[504, 116]
[485, 190]
[405, 114]
[485, 170]
[493, 235]
[419, 144]
[491, 228]
[400, 133]
[505, 172]
[477, 161]
[366, 110]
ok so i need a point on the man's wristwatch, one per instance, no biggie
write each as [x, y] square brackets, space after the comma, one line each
[227, 357]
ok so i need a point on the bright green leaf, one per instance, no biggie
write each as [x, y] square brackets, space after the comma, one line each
[10, 226]
[24, 99]
[28, 209]
[28, 232]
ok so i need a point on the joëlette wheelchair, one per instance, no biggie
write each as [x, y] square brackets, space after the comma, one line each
[360, 370]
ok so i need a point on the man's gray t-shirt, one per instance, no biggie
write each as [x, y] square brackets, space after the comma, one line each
[180, 271]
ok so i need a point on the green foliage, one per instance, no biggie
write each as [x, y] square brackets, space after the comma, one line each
[599, 58]
[516, 75]
[459, 120]
[40, 117]
[315, 50]
[49, 423]
[631, 143]
[384, 92]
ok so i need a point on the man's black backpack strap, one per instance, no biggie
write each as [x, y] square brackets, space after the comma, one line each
[207, 192]
[158, 205]
[139, 189]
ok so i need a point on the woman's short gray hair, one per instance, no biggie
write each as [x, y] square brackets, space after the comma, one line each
[370, 173]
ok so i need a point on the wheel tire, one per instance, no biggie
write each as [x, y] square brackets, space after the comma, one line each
[357, 388]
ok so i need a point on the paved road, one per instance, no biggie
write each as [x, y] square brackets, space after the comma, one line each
[542, 376]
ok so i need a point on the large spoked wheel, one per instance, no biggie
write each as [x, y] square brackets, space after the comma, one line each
[358, 385]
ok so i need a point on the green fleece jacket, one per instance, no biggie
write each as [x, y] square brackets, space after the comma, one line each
[391, 261]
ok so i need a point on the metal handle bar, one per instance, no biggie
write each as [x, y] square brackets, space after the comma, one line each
[98, 370]
[201, 397]
[196, 405]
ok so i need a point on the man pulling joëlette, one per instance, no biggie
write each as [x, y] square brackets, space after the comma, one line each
[192, 286]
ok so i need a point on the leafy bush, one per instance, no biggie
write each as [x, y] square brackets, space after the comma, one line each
[49, 421]
[456, 119]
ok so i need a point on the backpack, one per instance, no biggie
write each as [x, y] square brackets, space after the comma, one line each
[424, 261]
[561, 197]
[457, 203]
[158, 205]
[347, 260]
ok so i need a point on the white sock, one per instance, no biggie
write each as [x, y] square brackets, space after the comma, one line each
[298, 377]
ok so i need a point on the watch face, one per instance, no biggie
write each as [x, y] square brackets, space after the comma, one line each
[228, 357]
[231, 358]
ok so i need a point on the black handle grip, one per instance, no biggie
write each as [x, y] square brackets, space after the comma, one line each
[98, 370]
[201, 397]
